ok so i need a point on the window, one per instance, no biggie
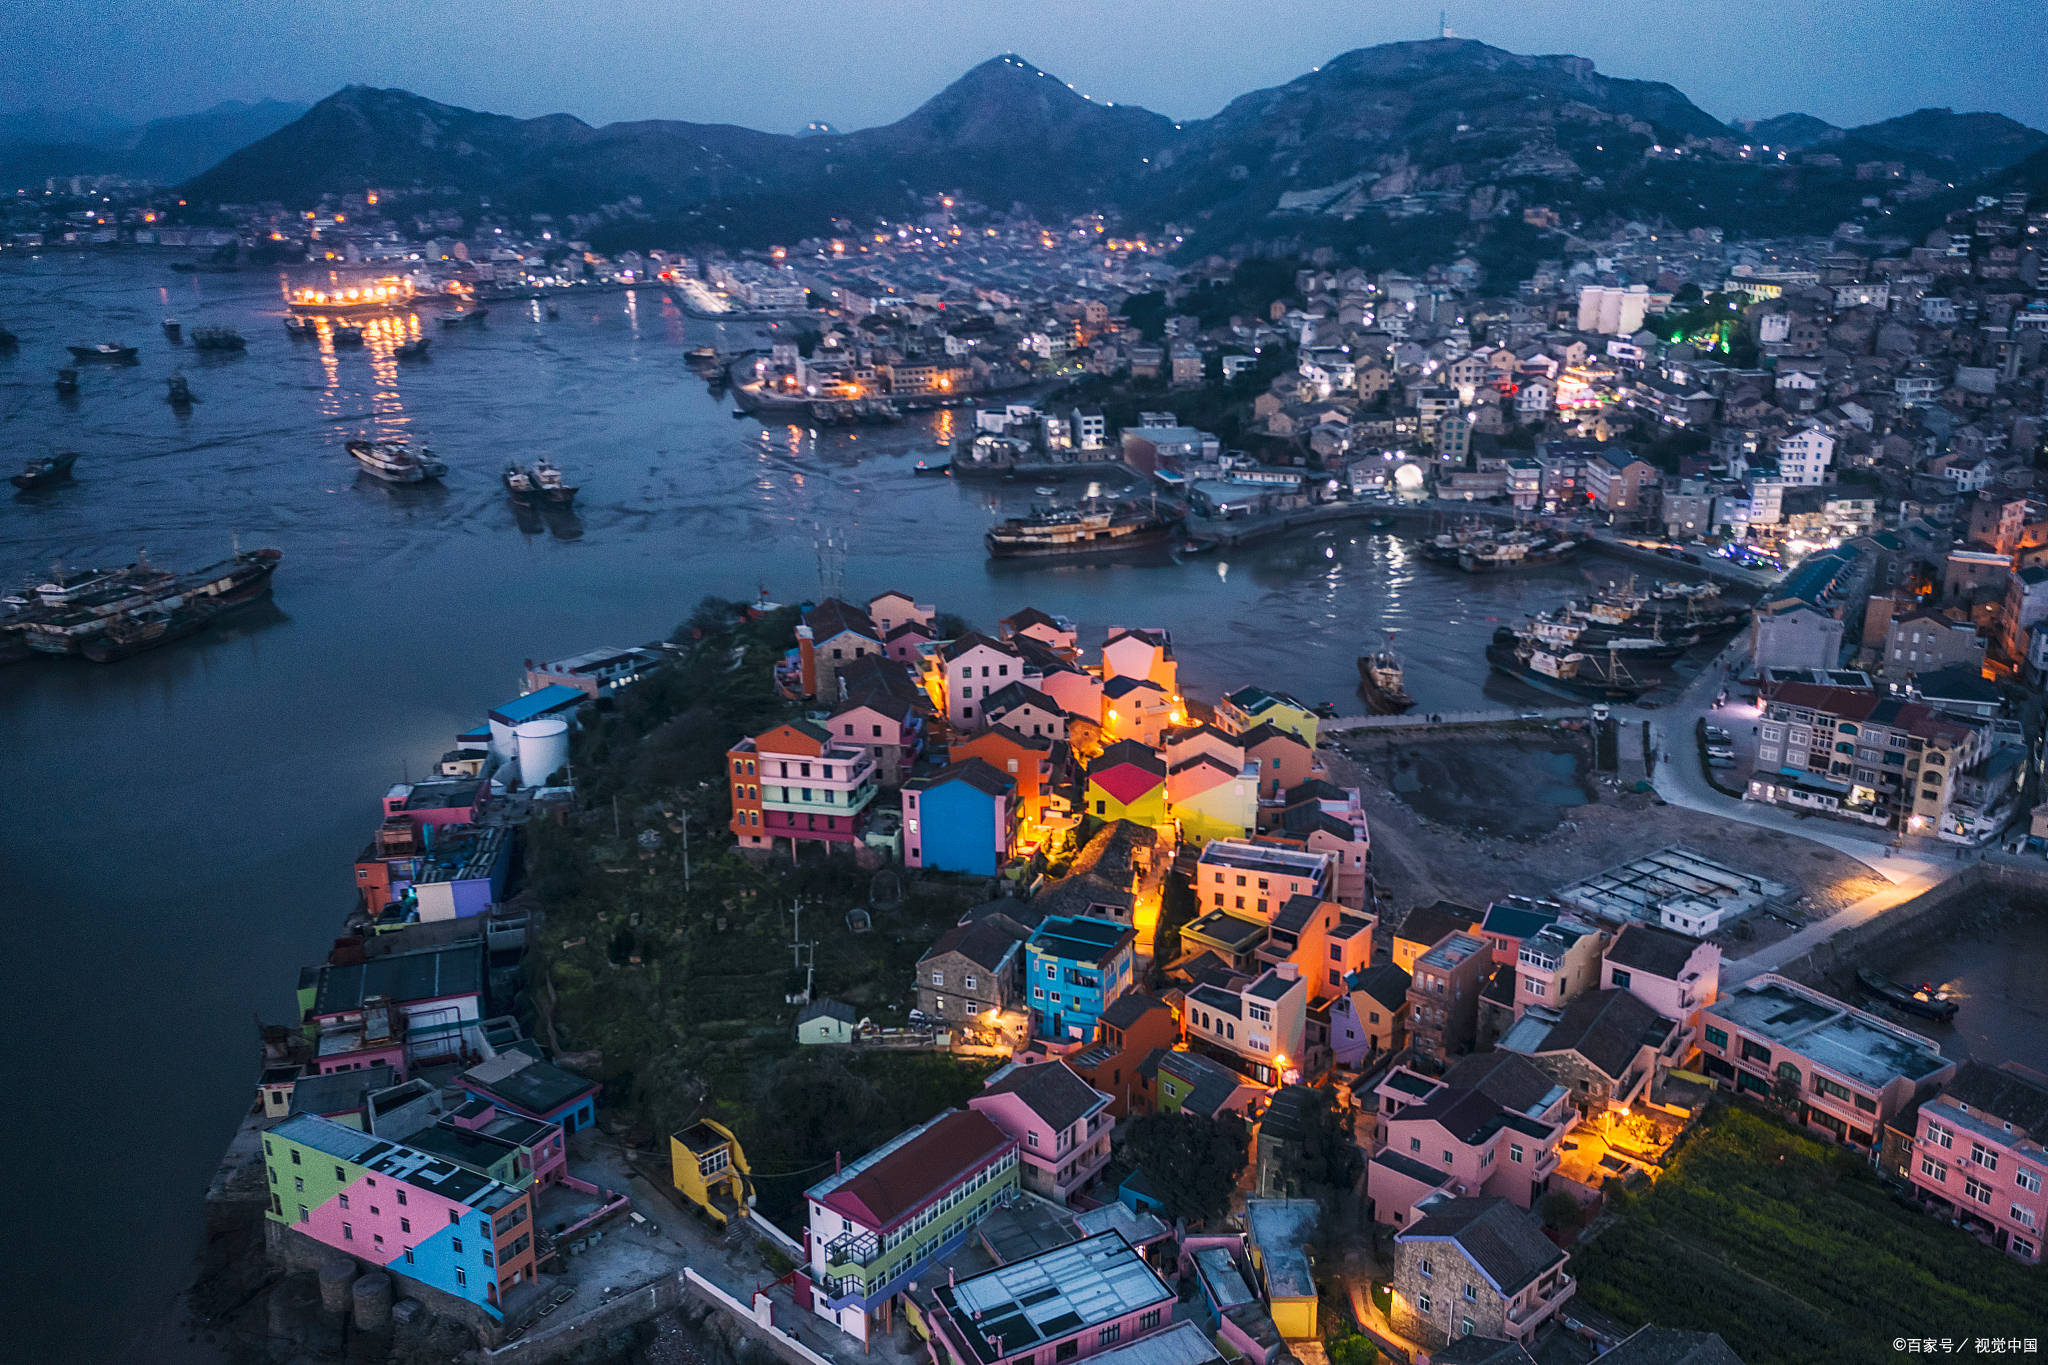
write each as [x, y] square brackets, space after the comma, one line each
[344, 1198]
[405, 1225]
[408, 1255]
[1465, 1327]
[1427, 1271]
[1977, 1189]
[1108, 1335]
[1415, 1145]
[348, 1232]
[938, 978]
[453, 1219]
[1031, 1138]
[1983, 1156]
[1515, 1152]
[295, 1156]
[401, 1194]
[298, 1184]
[1471, 1296]
[304, 1216]
[2022, 1215]
[1940, 1136]
[2028, 1180]
[1621, 979]
[1148, 1320]
[487, 1256]
[1535, 987]
[1422, 1304]
[2023, 1248]
[1932, 1169]
[1832, 1089]
[968, 983]
[456, 1242]
[461, 1276]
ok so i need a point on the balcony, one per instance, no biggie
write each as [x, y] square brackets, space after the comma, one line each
[1523, 1321]
[853, 1250]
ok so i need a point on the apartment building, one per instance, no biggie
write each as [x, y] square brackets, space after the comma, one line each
[1443, 1000]
[797, 782]
[1978, 1156]
[1257, 1026]
[1856, 752]
[1254, 879]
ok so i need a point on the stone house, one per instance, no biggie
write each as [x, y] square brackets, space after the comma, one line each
[1476, 1268]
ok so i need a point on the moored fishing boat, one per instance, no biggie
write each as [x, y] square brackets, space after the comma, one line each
[1926, 1000]
[1382, 683]
[148, 627]
[65, 624]
[1081, 532]
[105, 350]
[180, 392]
[553, 487]
[519, 484]
[1566, 673]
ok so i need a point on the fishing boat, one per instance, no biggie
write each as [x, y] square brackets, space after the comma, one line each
[104, 350]
[553, 487]
[172, 329]
[519, 483]
[1381, 683]
[1513, 550]
[1084, 531]
[345, 335]
[218, 339]
[701, 355]
[1564, 673]
[298, 329]
[64, 617]
[67, 380]
[1926, 1000]
[41, 473]
[935, 469]
[1561, 632]
[393, 460]
[416, 349]
[145, 628]
[465, 318]
[180, 394]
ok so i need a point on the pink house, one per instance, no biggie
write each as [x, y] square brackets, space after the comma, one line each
[436, 802]
[1060, 1122]
[1978, 1156]
[969, 670]
[1083, 1299]
[1675, 974]
[1490, 1127]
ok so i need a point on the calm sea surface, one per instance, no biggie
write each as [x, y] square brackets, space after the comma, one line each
[176, 830]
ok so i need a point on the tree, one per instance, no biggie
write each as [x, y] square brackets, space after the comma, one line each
[1192, 1162]
[1353, 1349]
[1560, 1212]
[1327, 1158]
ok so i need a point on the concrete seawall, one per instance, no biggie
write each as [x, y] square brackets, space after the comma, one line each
[1964, 894]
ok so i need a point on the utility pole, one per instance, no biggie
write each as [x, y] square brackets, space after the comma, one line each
[686, 853]
[796, 939]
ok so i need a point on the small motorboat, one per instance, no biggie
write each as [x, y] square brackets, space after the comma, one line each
[347, 336]
[923, 468]
[1045, 490]
[298, 329]
[173, 329]
[519, 484]
[180, 394]
[41, 473]
[466, 318]
[105, 350]
[67, 380]
[416, 349]
[393, 460]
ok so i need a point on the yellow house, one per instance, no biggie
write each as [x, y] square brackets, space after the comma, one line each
[1127, 781]
[711, 1171]
[1278, 1234]
[1248, 706]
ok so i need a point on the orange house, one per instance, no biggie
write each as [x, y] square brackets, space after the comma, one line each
[1285, 761]
[1028, 759]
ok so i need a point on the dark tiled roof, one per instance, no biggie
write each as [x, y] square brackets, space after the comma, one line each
[1667, 1346]
[1139, 755]
[1427, 924]
[1030, 616]
[1499, 1238]
[1607, 1028]
[2001, 1094]
[1295, 913]
[1129, 1008]
[826, 1008]
[977, 773]
[1266, 732]
[834, 617]
[956, 648]
[1051, 1090]
[1016, 694]
[1400, 1164]
[1512, 1082]
[1290, 1112]
[1384, 982]
[1652, 948]
[984, 942]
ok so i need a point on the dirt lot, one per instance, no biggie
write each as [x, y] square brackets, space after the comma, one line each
[1451, 845]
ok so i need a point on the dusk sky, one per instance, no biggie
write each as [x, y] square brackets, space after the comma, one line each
[775, 67]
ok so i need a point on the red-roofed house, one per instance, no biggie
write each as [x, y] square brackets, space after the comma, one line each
[1127, 781]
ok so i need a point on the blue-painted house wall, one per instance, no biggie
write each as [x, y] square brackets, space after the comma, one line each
[1079, 1007]
[435, 1261]
[960, 828]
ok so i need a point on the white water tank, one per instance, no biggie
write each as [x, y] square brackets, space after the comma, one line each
[543, 749]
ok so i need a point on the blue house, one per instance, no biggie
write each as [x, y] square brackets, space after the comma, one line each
[1076, 968]
[520, 1081]
[961, 819]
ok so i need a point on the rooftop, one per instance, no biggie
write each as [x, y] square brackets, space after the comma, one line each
[1500, 1239]
[1453, 950]
[1281, 1230]
[1828, 1032]
[430, 974]
[419, 1169]
[1251, 857]
[545, 701]
[1080, 939]
[526, 1083]
[1050, 1090]
[905, 1173]
[1051, 1296]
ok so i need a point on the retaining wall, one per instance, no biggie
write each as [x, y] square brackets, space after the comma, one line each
[1926, 914]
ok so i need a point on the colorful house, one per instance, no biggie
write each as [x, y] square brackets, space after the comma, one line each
[1371, 1017]
[1277, 1234]
[1025, 709]
[1249, 707]
[1329, 819]
[1139, 709]
[430, 1221]
[1090, 1297]
[1285, 760]
[1038, 765]
[826, 1022]
[1127, 1031]
[1491, 1126]
[521, 1082]
[1060, 1122]
[1476, 1267]
[961, 819]
[1978, 1155]
[434, 995]
[885, 1220]
[709, 1168]
[798, 782]
[1252, 878]
[889, 610]
[967, 671]
[1212, 798]
[1191, 1083]
[1257, 1026]
[833, 634]
[1075, 968]
[1055, 632]
[1141, 652]
[1324, 941]
[1127, 781]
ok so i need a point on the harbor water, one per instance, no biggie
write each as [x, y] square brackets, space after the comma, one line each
[177, 829]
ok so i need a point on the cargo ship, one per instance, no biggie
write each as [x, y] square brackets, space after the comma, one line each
[63, 615]
[148, 627]
[393, 460]
[1082, 531]
[1564, 673]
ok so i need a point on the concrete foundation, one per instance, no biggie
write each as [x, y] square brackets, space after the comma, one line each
[372, 1302]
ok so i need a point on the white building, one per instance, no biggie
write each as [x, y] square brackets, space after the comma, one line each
[1803, 459]
[1613, 309]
